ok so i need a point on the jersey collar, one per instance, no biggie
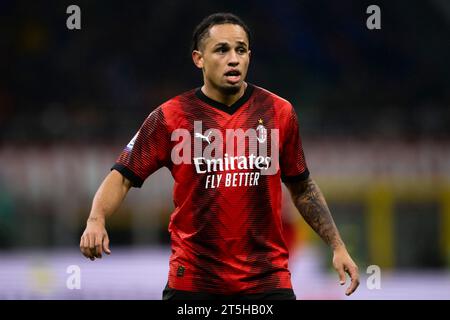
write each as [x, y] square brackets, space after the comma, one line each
[223, 107]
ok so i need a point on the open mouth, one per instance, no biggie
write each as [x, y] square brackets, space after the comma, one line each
[233, 76]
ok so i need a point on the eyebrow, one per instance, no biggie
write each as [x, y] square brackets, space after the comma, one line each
[242, 43]
[226, 44]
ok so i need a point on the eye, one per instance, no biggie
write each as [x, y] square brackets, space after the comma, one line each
[241, 50]
[222, 49]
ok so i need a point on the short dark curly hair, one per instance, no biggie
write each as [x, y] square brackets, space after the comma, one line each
[202, 29]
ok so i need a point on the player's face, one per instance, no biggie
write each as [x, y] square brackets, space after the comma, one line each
[224, 57]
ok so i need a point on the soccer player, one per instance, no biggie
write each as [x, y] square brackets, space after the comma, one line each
[228, 145]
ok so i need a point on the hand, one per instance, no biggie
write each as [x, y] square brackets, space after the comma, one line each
[95, 240]
[343, 263]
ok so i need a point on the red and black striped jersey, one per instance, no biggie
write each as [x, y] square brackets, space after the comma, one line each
[228, 163]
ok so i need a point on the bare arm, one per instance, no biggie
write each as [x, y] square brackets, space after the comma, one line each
[107, 200]
[311, 204]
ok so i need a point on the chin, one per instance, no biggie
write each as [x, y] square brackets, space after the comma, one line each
[232, 88]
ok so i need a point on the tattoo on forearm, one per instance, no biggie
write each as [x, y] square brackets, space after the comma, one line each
[311, 203]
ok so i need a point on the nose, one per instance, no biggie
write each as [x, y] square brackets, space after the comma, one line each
[233, 59]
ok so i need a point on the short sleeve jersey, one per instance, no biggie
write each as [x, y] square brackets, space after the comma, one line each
[228, 163]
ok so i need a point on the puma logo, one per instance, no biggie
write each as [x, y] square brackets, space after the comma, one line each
[206, 138]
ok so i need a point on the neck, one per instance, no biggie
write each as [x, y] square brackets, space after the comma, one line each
[225, 98]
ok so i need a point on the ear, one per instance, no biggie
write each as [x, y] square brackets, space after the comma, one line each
[249, 53]
[197, 57]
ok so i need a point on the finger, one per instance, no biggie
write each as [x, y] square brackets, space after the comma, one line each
[83, 246]
[98, 246]
[91, 247]
[87, 253]
[354, 283]
[89, 243]
[106, 245]
[341, 276]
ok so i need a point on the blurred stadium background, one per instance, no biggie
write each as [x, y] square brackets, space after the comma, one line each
[374, 109]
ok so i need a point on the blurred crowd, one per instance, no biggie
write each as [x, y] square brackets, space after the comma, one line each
[97, 84]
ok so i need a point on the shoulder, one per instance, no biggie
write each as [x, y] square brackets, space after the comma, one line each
[177, 101]
[280, 104]
[172, 112]
[175, 104]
